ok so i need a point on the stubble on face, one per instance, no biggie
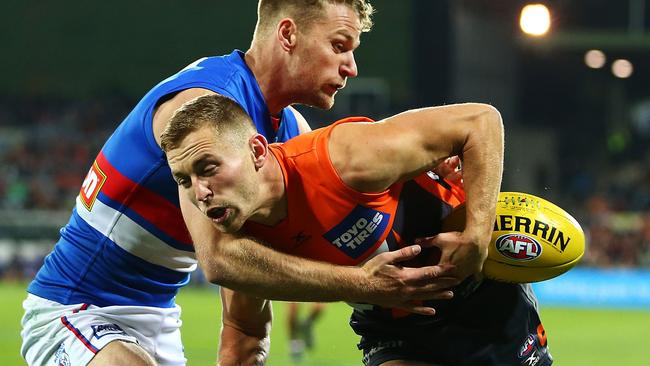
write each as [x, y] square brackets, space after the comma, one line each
[318, 59]
[241, 208]
[232, 186]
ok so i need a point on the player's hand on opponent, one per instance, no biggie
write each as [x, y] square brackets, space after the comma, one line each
[450, 170]
[464, 251]
[395, 286]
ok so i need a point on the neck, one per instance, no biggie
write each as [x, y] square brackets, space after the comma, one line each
[270, 77]
[273, 206]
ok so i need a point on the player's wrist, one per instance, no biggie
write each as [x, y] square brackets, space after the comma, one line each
[354, 284]
[479, 238]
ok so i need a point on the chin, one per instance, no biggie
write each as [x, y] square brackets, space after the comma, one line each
[325, 103]
[329, 104]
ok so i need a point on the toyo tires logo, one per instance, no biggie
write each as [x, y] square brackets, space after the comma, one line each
[518, 247]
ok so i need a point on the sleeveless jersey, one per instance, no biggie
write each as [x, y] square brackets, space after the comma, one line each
[329, 221]
[126, 242]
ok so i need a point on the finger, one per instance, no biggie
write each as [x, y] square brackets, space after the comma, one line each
[441, 240]
[427, 274]
[440, 283]
[445, 168]
[418, 309]
[445, 295]
[454, 161]
[437, 295]
[403, 254]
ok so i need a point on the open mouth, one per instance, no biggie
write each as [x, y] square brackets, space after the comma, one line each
[218, 214]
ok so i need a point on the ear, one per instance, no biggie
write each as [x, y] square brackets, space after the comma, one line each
[260, 149]
[286, 34]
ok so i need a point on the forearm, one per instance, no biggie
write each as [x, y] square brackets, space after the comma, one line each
[245, 265]
[245, 335]
[238, 348]
[482, 172]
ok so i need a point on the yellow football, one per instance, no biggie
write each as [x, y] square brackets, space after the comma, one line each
[533, 239]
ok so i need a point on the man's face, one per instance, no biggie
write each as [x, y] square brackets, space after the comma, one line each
[217, 176]
[324, 56]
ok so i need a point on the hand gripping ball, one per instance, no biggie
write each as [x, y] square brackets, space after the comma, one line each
[533, 239]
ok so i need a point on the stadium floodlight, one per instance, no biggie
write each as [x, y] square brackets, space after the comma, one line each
[535, 19]
[622, 68]
[595, 59]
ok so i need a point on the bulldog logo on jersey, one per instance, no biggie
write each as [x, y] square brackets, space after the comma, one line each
[359, 231]
[92, 185]
[518, 247]
[61, 357]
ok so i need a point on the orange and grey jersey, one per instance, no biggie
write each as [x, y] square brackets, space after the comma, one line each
[329, 221]
[487, 323]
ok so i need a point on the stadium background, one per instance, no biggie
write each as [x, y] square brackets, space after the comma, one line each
[575, 135]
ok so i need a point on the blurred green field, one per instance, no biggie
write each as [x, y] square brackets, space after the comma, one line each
[577, 337]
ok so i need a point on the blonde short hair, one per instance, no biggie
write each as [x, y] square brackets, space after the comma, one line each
[305, 12]
[225, 116]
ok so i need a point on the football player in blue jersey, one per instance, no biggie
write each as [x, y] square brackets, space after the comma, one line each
[105, 294]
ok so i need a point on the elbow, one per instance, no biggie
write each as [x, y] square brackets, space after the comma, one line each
[215, 271]
[495, 119]
[214, 277]
[496, 123]
[490, 116]
[485, 128]
[488, 123]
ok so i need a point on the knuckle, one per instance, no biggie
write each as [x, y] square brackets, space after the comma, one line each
[434, 272]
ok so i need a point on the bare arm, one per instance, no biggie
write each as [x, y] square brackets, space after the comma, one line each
[416, 141]
[243, 264]
[245, 335]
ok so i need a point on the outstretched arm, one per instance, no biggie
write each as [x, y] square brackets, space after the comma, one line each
[243, 264]
[417, 141]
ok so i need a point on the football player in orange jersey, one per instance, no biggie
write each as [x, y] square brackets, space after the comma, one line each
[349, 191]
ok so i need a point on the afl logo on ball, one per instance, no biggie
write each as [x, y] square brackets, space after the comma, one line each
[518, 247]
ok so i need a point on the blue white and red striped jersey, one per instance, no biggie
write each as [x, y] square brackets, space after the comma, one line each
[126, 242]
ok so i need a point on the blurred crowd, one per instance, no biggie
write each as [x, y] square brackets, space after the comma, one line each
[617, 225]
[47, 146]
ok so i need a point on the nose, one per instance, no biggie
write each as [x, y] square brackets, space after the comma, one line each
[202, 191]
[349, 66]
